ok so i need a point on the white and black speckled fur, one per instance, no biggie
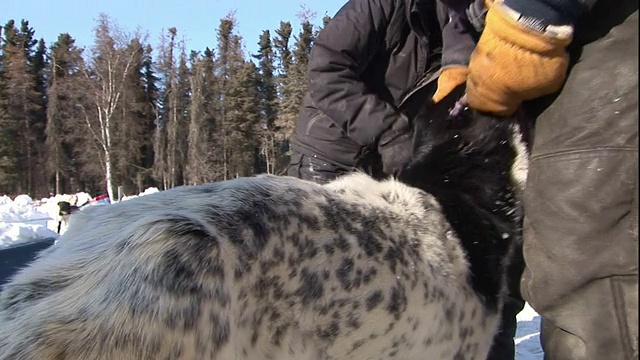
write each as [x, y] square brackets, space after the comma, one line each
[279, 268]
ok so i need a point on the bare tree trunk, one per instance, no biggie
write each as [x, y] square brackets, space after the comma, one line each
[225, 160]
[57, 173]
[57, 187]
[108, 176]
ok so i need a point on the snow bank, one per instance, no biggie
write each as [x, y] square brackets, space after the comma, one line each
[148, 191]
[22, 220]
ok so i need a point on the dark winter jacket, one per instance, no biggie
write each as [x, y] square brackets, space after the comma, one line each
[374, 58]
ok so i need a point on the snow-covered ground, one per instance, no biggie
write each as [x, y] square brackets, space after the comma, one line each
[23, 220]
[528, 335]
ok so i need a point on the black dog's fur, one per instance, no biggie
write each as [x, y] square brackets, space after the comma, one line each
[461, 160]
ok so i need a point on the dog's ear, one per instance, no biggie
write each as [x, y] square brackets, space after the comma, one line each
[431, 122]
[441, 110]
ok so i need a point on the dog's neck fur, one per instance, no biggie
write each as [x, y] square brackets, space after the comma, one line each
[475, 166]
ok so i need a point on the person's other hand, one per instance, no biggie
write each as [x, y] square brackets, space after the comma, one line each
[395, 146]
[514, 62]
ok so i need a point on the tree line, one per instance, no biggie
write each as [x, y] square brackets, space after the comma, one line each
[122, 114]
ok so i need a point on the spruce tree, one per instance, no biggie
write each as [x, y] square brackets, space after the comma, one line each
[130, 123]
[285, 116]
[8, 127]
[179, 121]
[63, 94]
[282, 54]
[201, 160]
[268, 102]
[39, 118]
[294, 82]
[150, 114]
[166, 73]
[21, 105]
[225, 66]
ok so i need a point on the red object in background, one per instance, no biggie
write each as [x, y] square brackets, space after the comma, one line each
[102, 199]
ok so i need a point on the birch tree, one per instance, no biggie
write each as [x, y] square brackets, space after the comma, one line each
[109, 65]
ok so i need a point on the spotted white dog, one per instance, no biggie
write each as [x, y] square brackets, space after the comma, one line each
[280, 268]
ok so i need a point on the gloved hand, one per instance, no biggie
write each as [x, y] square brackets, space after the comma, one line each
[514, 62]
[395, 146]
[450, 78]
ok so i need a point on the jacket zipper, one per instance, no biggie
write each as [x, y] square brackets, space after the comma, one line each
[311, 122]
[431, 75]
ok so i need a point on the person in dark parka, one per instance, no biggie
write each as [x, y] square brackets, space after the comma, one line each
[370, 64]
[574, 66]
[370, 68]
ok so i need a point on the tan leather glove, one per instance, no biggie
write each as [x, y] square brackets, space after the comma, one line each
[513, 62]
[450, 78]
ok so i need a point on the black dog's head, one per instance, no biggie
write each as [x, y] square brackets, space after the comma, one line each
[468, 161]
[463, 150]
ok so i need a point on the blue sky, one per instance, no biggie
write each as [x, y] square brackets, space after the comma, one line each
[196, 20]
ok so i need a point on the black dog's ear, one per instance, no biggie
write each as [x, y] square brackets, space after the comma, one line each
[440, 111]
[432, 120]
[442, 108]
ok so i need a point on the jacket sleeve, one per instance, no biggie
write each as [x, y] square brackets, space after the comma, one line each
[461, 30]
[467, 14]
[339, 55]
[458, 42]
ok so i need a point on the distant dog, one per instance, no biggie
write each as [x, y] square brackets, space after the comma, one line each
[65, 210]
[274, 267]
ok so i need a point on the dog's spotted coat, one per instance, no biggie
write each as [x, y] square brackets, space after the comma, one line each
[279, 268]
